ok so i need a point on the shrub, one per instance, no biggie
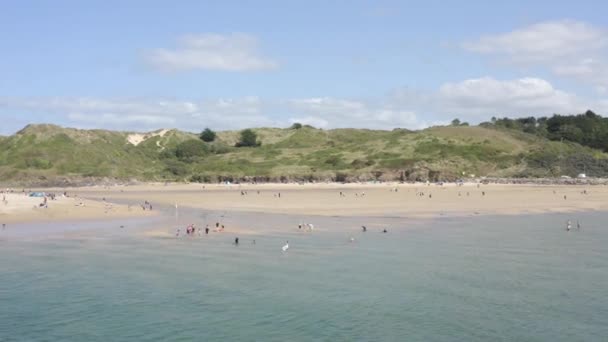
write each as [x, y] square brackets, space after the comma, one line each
[208, 135]
[248, 139]
[190, 150]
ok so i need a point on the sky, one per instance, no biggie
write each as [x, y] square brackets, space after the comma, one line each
[144, 65]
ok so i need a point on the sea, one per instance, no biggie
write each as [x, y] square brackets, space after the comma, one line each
[475, 278]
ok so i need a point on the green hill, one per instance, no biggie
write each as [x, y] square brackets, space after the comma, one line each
[52, 154]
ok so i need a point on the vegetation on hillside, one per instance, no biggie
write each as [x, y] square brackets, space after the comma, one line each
[588, 129]
[501, 148]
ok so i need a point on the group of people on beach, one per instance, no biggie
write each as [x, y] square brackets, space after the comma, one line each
[191, 230]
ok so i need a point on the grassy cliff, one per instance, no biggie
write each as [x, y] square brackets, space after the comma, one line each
[46, 153]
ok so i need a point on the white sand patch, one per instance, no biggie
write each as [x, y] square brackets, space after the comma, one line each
[138, 138]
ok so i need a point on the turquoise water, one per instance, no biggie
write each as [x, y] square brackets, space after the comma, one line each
[466, 279]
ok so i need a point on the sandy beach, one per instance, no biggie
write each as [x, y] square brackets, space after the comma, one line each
[382, 200]
[21, 208]
[401, 200]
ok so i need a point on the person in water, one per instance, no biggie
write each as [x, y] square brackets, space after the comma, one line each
[364, 228]
[236, 241]
[207, 230]
[385, 231]
[578, 225]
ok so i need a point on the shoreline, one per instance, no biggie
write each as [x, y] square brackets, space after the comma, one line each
[380, 200]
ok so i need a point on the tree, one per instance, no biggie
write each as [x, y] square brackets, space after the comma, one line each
[296, 125]
[208, 135]
[248, 139]
[456, 122]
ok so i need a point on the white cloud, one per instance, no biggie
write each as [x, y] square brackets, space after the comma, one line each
[567, 48]
[513, 97]
[144, 114]
[473, 100]
[543, 41]
[587, 70]
[349, 113]
[209, 51]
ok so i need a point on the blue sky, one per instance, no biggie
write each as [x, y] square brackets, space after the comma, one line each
[142, 65]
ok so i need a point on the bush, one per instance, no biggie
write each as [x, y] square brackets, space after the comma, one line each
[296, 125]
[176, 168]
[200, 179]
[208, 135]
[191, 149]
[248, 139]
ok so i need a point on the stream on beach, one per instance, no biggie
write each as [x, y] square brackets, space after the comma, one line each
[478, 278]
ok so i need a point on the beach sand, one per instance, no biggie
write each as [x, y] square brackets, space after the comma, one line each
[19, 208]
[410, 200]
[380, 200]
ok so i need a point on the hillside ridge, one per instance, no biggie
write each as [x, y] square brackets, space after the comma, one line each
[47, 153]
